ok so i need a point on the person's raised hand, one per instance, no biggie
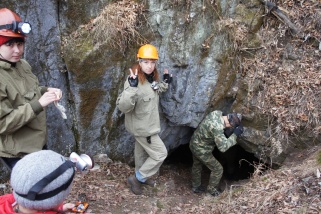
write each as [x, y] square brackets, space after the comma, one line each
[132, 78]
[167, 77]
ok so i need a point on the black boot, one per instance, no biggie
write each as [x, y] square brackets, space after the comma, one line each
[198, 189]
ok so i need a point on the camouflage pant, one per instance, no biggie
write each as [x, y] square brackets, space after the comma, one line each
[206, 158]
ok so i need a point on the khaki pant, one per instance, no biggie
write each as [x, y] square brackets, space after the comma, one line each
[149, 156]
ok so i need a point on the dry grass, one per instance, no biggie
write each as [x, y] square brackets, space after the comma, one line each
[295, 188]
[292, 189]
[238, 32]
[284, 76]
[118, 24]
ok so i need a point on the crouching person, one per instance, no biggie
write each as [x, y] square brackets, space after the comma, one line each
[41, 181]
[214, 130]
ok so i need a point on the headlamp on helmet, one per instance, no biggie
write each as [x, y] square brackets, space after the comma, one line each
[83, 162]
[17, 27]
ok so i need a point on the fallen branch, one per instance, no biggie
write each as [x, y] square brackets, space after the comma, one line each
[282, 17]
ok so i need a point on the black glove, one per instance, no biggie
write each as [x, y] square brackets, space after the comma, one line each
[228, 132]
[167, 78]
[238, 130]
[133, 82]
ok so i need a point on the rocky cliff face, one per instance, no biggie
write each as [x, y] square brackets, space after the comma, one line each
[195, 41]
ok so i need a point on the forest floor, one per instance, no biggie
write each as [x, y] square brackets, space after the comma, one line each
[293, 188]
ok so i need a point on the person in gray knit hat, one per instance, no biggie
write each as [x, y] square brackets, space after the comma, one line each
[41, 181]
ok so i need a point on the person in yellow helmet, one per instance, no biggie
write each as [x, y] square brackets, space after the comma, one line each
[22, 101]
[139, 102]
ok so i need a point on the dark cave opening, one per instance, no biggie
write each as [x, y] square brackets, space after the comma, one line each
[237, 163]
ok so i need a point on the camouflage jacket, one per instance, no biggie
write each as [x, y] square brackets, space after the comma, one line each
[210, 133]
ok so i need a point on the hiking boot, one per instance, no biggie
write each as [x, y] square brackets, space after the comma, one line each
[150, 182]
[198, 189]
[215, 192]
[135, 185]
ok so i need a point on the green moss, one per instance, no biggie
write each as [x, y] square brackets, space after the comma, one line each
[11, 5]
[159, 204]
[89, 101]
[154, 190]
[319, 157]
[78, 13]
[251, 17]
[110, 177]
[76, 135]
[226, 77]
[265, 179]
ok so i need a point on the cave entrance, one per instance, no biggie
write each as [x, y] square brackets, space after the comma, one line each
[237, 163]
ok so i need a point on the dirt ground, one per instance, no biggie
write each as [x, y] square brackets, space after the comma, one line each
[294, 188]
[107, 190]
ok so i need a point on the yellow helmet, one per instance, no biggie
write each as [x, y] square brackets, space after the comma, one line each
[147, 52]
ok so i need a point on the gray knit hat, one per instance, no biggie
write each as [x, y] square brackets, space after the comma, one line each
[31, 169]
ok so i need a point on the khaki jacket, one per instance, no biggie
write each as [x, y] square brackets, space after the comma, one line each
[22, 119]
[140, 106]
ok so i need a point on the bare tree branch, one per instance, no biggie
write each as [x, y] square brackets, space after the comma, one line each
[274, 9]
